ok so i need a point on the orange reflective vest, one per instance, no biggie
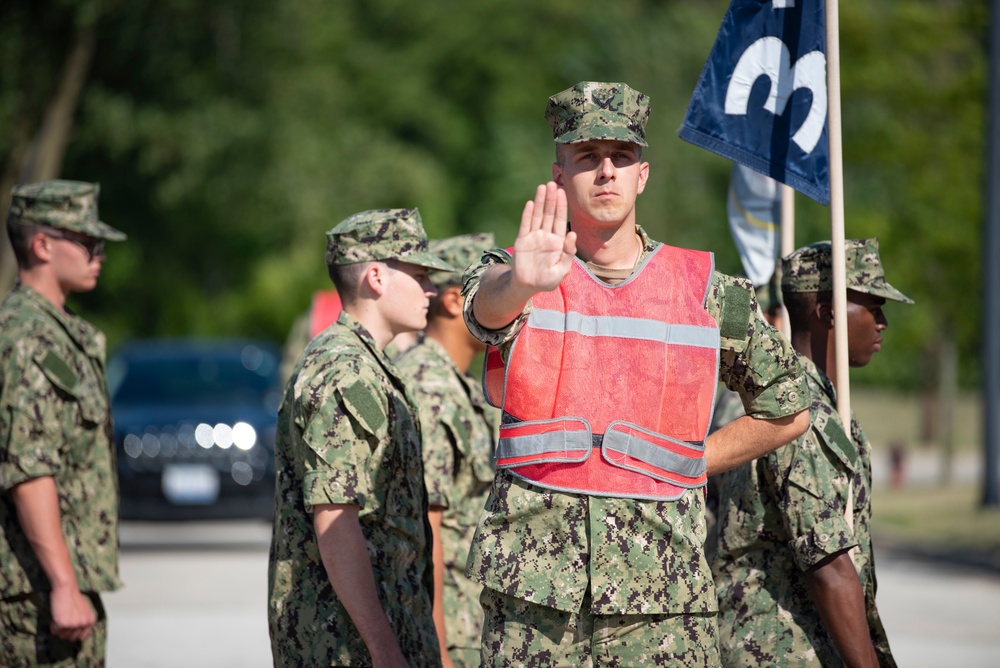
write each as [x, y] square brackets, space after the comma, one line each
[324, 312]
[630, 368]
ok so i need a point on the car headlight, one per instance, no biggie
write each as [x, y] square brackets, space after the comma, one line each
[244, 435]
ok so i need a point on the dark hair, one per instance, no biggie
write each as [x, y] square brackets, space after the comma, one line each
[800, 305]
[20, 235]
[436, 307]
[346, 278]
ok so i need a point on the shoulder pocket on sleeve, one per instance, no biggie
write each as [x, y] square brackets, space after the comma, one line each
[58, 371]
[364, 407]
[837, 440]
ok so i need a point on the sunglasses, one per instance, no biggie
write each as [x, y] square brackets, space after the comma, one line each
[94, 247]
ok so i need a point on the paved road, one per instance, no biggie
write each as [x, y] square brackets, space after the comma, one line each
[195, 596]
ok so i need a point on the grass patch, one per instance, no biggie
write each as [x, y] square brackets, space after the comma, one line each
[940, 518]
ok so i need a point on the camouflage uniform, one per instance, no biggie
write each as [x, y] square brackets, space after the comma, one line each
[729, 407]
[347, 435]
[458, 427]
[55, 421]
[459, 433]
[785, 512]
[632, 571]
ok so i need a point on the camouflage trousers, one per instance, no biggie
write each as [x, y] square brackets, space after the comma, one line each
[519, 633]
[27, 641]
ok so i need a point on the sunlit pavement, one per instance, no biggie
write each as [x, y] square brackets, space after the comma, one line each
[937, 614]
[196, 595]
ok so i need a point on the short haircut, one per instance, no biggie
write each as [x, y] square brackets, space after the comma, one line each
[346, 279]
[436, 308]
[20, 236]
[801, 304]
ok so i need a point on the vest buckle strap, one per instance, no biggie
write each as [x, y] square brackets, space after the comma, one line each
[628, 446]
[555, 440]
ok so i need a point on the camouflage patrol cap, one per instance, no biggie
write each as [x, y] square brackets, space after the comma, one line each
[809, 269]
[596, 110]
[459, 252]
[381, 234]
[65, 205]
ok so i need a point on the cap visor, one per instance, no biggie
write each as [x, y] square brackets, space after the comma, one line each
[105, 231]
[895, 295]
[423, 259]
[884, 291]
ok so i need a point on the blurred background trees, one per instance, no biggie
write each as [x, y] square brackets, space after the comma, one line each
[229, 136]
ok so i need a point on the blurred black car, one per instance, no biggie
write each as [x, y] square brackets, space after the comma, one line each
[194, 427]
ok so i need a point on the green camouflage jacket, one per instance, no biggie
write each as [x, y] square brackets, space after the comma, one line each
[779, 516]
[55, 421]
[346, 435]
[635, 556]
[458, 428]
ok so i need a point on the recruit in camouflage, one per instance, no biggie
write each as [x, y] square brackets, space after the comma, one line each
[792, 508]
[347, 435]
[459, 434]
[781, 515]
[54, 421]
[625, 556]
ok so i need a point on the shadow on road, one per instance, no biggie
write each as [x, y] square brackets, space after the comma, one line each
[981, 562]
[247, 535]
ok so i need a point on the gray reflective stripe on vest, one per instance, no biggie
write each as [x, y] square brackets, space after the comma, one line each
[550, 443]
[639, 448]
[553, 443]
[625, 328]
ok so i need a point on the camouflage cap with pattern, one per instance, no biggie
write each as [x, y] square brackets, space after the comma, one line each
[596, 110]
[459, 252]
[810, 269]
[381, 234]
[65, 205]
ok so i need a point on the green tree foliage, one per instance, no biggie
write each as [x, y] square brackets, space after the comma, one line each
[229, 136]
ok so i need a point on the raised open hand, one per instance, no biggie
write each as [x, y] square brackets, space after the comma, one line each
[543, 251]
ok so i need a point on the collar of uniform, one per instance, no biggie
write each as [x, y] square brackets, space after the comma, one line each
[436, 349]
[90, 339]
[368, 340]
[359, 330]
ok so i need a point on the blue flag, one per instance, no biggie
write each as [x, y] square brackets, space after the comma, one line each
[761, 99]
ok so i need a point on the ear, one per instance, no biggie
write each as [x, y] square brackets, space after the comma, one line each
[41, 247]
[452, 301]
[823, 311]
[557, 175]
[374, 278]
[643, 177]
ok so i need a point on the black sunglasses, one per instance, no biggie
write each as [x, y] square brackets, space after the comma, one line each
[93, 246]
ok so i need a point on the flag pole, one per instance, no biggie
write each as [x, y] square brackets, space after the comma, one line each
[787, 244]
[837, 211]
[991, 277]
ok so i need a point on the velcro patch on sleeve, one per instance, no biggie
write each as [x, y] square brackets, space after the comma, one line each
[838, 440]
[735, 313]
[364, 406]
[57, 371]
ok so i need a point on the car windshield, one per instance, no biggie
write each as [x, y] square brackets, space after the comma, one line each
[213, 377]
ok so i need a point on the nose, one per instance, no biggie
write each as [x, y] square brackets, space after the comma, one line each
[606, 171]
[881, 322]
[429, 288]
